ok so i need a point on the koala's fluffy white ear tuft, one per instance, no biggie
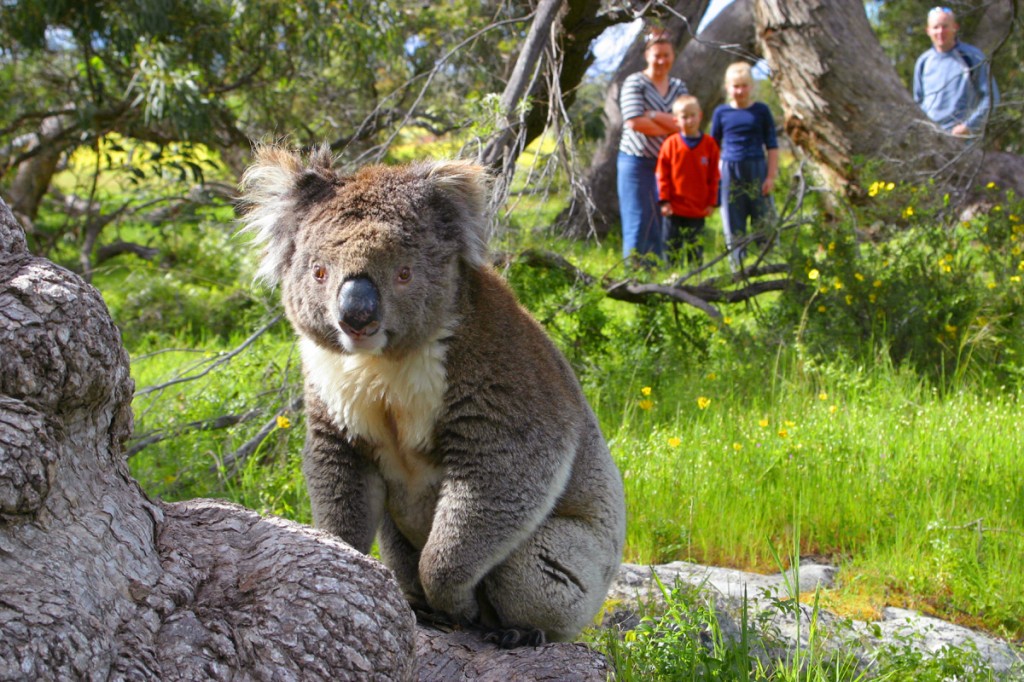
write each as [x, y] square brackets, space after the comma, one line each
[465, 185]
[274, 185]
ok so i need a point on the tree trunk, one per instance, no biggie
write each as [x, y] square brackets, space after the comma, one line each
[843, 102]
[594, 207]
[996, 24]
[548, 70]
[32, 178]
[100, 582]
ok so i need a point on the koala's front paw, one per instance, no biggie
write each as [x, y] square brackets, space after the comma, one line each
[459, 605]
[447, 591]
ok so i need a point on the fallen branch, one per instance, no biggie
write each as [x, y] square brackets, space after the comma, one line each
[700, 296]
[141, 442]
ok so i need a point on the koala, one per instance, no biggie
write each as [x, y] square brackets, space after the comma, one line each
[442, 420]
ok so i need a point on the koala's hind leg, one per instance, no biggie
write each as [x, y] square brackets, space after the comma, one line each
[555, 582]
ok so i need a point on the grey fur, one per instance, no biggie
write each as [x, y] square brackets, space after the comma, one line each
[457, 434]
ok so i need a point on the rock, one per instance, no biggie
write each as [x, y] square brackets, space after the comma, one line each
[779, 627]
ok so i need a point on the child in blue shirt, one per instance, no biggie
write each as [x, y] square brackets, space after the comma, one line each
[745, 132]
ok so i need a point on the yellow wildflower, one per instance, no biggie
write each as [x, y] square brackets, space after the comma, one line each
[877, 283]
[822, 308]
[813, 274]
[1015, 279]
[849, 299]
[283, 422]
[703, 402]
[908, 211]
[763, 423]
[646, 390]
[991, 185]
[890, 186]
[645, 404]
[823, 396]
[737, 446]
[712, 376]
[783, 433]
[789, 423]
[832, 409]
[859, 277]
[674, 442]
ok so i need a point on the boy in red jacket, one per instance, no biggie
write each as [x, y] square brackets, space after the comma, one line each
[687, 170]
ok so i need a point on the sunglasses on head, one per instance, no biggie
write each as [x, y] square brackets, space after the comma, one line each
[656, 36]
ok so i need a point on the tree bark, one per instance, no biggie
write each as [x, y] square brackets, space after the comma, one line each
[32, 179]
[464, 656]
[844, 103]
[594, 206]
[100, 582]
[547, 73]
[996, 24]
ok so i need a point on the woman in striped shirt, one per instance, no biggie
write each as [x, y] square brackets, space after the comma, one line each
[645, 101]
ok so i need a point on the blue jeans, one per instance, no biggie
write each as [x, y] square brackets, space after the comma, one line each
[741, 199]
[638, 206]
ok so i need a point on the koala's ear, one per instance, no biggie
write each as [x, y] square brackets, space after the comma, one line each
[275, 188]
[464, 187]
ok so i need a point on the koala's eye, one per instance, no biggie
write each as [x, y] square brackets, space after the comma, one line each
[404, 275]
[319, 272]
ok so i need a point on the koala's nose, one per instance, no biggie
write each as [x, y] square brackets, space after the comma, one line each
[359, 307]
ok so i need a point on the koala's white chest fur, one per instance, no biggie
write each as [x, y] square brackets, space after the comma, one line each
[391, 404]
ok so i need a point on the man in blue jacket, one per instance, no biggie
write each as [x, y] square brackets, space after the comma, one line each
[951, 80]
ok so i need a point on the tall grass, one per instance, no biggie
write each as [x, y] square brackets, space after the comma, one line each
[915, 495]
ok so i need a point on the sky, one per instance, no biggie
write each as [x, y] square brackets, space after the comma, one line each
[613, 43]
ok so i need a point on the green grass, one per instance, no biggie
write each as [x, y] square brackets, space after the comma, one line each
[883, 476]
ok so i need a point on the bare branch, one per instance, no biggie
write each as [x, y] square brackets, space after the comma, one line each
[221, 359]
[141, 442]
[235, 460]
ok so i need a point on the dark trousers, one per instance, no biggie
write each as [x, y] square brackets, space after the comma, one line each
[741, 198]
[682, 239]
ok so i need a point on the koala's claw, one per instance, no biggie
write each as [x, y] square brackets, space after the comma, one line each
[435, 619]
[510, 638]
